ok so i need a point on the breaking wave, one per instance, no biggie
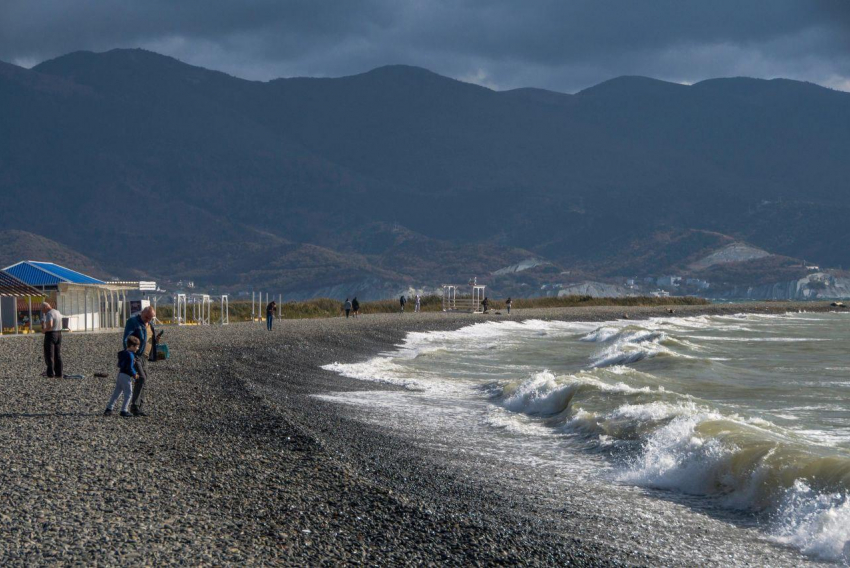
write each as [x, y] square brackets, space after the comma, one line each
[629, 345]
[665, 437]
[675, 442]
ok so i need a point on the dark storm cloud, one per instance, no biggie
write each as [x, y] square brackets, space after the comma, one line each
[558, 44]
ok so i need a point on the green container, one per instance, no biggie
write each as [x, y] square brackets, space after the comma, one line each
[162, 352]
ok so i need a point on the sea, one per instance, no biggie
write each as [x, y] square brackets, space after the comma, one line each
[717, 439]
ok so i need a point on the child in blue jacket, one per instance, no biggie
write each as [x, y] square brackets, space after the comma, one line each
[126, 374]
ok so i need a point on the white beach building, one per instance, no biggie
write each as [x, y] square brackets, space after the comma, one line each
[86, 303]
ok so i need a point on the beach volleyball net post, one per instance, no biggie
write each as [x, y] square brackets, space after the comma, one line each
[180, 309]
[463, 298]
[225, 309]
[201, 308]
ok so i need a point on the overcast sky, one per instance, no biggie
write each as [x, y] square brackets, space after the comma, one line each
[564, 45]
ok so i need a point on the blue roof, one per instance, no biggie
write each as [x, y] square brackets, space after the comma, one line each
[48, 274]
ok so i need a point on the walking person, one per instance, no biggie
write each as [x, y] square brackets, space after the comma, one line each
[347, 307]
[418, 304]
[355, 306]
[127, 374]
[486, 304]
[270, 311]
[51, 325]
[138, 326]
[402, 301]
[508, 304]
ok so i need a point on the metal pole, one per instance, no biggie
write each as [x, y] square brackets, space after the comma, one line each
[29, 299]
[15, 298]
[252, 305]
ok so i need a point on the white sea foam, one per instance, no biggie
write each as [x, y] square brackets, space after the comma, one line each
[512, 422]
[786, 416]
[630, 346]
[816, 523]
[541, 394]
[601, 334]
[652, 411]
[677, 456]
[674, 457]
[378, 369]
[473, 338]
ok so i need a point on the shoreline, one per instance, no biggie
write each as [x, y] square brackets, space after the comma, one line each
[240, 463]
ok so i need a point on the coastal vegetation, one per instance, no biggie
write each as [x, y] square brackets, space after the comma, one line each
[327, 308]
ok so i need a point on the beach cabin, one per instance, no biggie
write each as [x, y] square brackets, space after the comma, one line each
[86, 303]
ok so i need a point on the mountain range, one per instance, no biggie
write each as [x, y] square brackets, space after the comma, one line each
[400, 178]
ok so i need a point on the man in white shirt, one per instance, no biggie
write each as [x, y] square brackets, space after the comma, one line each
[51, 325]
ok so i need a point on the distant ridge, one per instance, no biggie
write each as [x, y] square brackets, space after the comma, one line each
[399, 177]
[633, 84]
[16, 246]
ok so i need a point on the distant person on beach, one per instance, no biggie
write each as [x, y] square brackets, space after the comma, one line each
[508, 304]
[127, 374]
[347, 307]
[418, 304]
[402, 301]
[51, 325]
[485, 304]
[270, 312]
[355, 306]
[139, 327]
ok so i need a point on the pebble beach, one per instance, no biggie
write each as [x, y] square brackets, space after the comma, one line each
[237, 462]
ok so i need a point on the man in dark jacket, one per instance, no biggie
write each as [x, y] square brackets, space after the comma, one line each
[139, 326]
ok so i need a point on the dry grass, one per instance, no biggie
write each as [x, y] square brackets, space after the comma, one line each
[326, 307]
